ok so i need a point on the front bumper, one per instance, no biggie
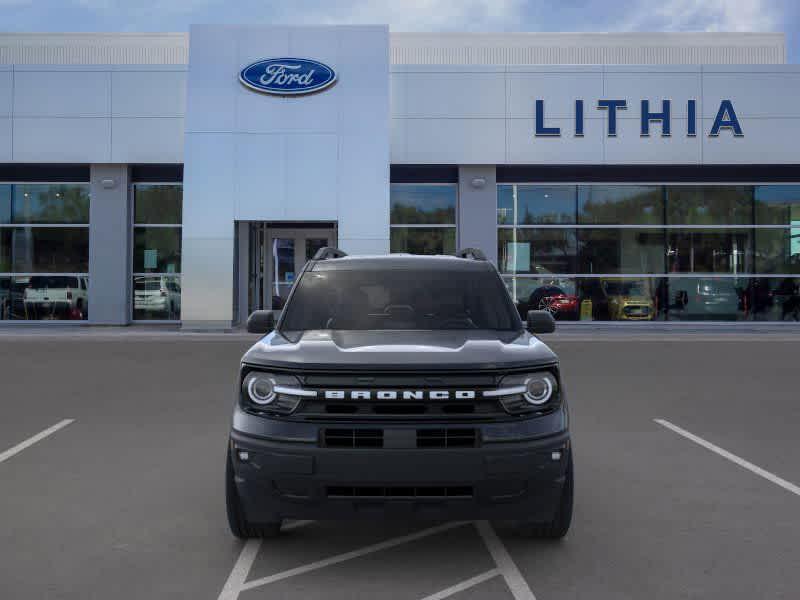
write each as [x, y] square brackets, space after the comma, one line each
[508, 480]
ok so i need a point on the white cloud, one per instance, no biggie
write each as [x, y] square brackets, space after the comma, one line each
[416, 15]
[705, 15]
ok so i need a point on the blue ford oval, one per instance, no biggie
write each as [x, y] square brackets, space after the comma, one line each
[287, 76]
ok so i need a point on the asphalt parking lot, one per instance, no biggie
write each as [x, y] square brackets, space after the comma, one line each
[686, 459]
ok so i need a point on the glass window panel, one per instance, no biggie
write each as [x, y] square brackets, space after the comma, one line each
[44, 298]
[709, 205]
[710, 251]
[5, 203]
[157, 249]
[553, 294]
[423, 204]
[620, 204]
[538, 204]
[505, 204]
[774, 299]
[778, 250]
[622, 298]
[423, 240]
[621, 251]
[156, 297]
[777, 205]
[46, 203]
[44, 249]
[283, 257]
[708, 299]
[158, 204]
[536, 251]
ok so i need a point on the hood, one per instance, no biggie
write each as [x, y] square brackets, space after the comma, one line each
[635, 300]
[401, 350]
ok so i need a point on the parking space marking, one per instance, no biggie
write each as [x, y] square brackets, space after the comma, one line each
[4, 456]
[339, 558]
[731, 457]
[240, 571]
[464, 585]
[505, 564]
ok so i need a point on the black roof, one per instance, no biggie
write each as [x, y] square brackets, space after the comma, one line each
[400, 262]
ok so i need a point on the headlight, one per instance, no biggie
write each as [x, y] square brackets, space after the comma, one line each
[529, 392]
[539, 388]
[270, 393]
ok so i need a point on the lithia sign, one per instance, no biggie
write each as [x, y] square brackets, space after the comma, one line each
[726, 119]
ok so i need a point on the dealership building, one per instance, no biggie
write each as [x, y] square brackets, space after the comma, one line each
[186, 178]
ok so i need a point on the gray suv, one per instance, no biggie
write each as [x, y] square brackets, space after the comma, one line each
[399, 386]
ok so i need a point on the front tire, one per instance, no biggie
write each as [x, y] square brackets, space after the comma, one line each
[237, 521]
[559, 526]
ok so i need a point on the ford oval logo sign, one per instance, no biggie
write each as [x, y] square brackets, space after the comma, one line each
[287, 76]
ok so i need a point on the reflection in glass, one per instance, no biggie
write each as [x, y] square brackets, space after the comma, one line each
[777, 205]
[44, 203]
[695, 298]
[413, 204]
[157, 249]
[620, 204]
[555, 295]
[44, 249]
[623, 298]
[156, 297]
[778, 250]
[158, 204]
[423, 240]
[536, 204]
[775, 299]
[709, 205]
[538, 251]
[710, 251]
[621, 250]
[44, 297]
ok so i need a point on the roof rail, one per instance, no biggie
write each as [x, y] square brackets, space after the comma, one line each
[471, 253]
[327, 252]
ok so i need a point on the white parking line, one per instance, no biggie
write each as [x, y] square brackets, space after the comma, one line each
[505, 564]
[240, 571]
[4, 456]
[464, 585]
[731, 457]
[390, 543]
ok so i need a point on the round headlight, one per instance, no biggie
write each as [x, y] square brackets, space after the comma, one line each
[539, 389]
[260, 389]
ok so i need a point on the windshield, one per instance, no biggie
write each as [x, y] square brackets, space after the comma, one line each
[400, 300]
[626, 288]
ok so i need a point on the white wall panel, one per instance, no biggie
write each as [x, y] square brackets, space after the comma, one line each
[210, 89]
[558, 90]
[5, 139]
[78, 140]
[147, 140]
[260, 198]
[311, 177]
[765, 141]
[148, 93]
[455, 141]
[6, 95]
[629, 148]
[753, 94]
[455, 95]
[524, 147]
[363, 246]
[209, 178]
[62, 93]
[363, 191]
[634, 87]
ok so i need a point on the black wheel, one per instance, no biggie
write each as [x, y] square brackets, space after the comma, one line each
[559, 526]
[239, 525]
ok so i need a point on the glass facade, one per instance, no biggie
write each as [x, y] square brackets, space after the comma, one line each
[423, 218]
[44, 251]
[652, 252]
[156, 236]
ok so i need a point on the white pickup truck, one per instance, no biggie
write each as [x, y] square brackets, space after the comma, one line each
[56, 297]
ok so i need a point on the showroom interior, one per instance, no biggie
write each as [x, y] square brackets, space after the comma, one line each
[139, 196]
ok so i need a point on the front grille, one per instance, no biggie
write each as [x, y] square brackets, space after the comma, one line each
[353, 438]
[447, 438]
[377, 492]
[326, 410]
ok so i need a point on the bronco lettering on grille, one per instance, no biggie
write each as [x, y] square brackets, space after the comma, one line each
[399, 394]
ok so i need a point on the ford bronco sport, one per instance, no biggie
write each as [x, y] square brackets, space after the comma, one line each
[399, 386]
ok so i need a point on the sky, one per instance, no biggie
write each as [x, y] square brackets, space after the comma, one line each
[414, 15]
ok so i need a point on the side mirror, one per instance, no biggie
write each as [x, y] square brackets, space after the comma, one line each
[262, 321]
[541, 321]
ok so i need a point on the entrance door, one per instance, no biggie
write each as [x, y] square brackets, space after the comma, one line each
[278, 255]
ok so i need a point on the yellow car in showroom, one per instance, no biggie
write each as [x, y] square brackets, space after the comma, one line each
[628, 299]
